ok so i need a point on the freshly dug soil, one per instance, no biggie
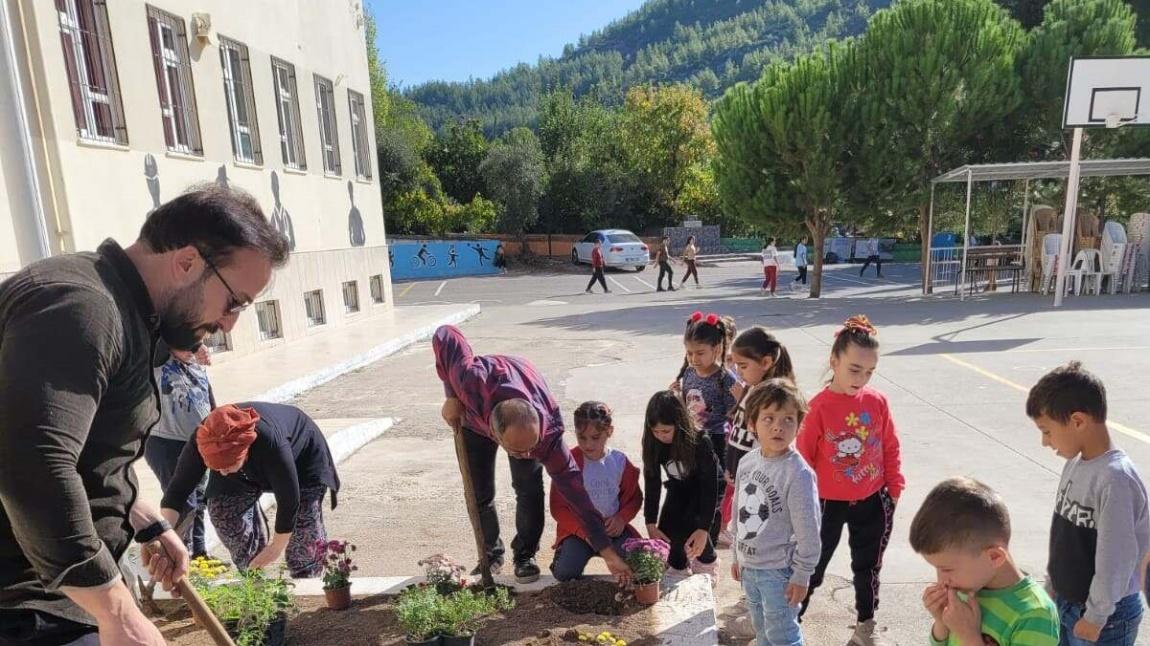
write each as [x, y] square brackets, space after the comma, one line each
[553, 617]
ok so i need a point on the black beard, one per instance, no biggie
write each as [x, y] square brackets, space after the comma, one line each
[178, 325]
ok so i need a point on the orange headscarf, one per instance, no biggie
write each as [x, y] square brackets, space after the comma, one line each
[225, 435]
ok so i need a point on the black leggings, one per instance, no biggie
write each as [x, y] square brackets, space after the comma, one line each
[678, 523]
[877, 260]
[597, 275]
[665, 270]
[692, 270]
[802, 277]
[868, 523]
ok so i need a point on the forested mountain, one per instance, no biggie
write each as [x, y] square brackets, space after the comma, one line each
[708, 44]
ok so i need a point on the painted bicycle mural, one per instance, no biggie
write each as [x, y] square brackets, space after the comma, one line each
[425, 259]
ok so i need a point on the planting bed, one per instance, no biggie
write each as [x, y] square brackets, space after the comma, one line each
[552, 617]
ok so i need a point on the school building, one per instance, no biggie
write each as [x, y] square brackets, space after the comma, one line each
[110, 107]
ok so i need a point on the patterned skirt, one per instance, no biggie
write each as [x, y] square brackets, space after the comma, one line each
[243, 529]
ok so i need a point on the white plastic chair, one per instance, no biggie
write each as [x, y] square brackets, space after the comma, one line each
[1051, 245]
[1085, 272]
[1112, 253]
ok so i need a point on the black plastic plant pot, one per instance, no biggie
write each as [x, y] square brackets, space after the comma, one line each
[431, 641]
[459, 640]
[275, 635]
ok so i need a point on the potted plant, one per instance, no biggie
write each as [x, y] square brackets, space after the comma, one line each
[648, 561]
[419, 612]
[461, 612]
[337, 569]
[253, 608]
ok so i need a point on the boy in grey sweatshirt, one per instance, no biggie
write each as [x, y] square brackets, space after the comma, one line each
[1101, 524]
[776, 507]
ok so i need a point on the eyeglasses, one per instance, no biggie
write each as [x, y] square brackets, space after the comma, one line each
[235, 303]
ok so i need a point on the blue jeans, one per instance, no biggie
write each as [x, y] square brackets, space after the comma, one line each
[573, 554]
[162, 455]
[1121, 628]
[776, 623]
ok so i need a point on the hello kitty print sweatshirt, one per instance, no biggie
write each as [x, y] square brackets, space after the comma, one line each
[851, 443]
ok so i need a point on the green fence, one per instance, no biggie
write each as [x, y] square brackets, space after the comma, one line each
[907, 252]
[741, 245]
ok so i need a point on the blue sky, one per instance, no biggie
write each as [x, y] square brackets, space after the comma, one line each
[453, 40]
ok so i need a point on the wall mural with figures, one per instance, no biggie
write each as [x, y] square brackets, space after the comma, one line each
[422, 259]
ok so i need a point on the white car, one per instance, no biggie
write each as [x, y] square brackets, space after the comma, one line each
[621, 248]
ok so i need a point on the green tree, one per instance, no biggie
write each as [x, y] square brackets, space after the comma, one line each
[514, 170]
[1070, 28]
[456, 155]
[938, 75]
[782, 146]
[665, 137]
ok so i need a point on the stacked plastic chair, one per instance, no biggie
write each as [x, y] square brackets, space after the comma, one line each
[1113, 253]
[1085, 273]
[1051, 244]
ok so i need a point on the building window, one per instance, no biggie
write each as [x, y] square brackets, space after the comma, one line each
[377, 289]
[287, 109]
[313, 302]
[91, 65]
[328, 136]
[359, 138]
[268, 315]
[241, 101]
[174, 81]
[219, 342]
[350, 297]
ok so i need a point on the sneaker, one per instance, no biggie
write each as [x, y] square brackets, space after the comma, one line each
[526, 571]
[864, 635]
[660, 290]
[588, 291]
[670, 288]
[710, 570]
[496, 566]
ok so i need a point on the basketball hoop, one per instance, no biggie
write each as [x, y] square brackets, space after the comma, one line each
[1115, 120]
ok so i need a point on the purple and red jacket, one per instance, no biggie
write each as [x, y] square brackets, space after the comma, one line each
[479, 383]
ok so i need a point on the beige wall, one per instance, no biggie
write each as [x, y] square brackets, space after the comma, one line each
[99, 190]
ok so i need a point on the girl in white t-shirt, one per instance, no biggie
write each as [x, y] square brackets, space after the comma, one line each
[770, 267]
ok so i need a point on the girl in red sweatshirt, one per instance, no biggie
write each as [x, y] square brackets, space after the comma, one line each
[849, 439]
[611, 481]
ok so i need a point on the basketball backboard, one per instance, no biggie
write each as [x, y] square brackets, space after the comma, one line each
[1107, 92]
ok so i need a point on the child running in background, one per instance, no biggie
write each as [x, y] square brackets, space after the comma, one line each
[980, 596]
[757, 356]
[1101, 522]
[611, 481]
[707, 388]
[849, 439]
[770, 267]
[777, 532]
[674, 447]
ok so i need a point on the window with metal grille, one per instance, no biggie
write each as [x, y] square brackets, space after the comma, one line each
[268, 316]
[241, 101]
[91, 66]
[359, 139]
[287, 110]
[313, 303]
[350, 297]
[173, 69]
[219, 342]
[328, 135]
[376, 283]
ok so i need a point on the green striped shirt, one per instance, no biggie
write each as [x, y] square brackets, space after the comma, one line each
[1021, 615]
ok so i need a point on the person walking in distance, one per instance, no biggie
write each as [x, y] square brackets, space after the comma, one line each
[690, 252]
[872, 256]
[770, 267]
[597, 264]
[663, 259]
[801, 260]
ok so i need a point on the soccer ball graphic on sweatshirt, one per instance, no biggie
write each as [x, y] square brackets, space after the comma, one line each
[753, 511]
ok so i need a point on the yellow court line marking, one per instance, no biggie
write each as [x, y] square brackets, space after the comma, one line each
[406, 290]
[1121, 428]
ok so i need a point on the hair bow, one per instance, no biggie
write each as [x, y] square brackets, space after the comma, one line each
[859, 323]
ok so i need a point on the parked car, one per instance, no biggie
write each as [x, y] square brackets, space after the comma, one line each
[621, 248]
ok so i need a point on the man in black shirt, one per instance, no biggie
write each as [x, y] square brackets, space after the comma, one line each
[78, 343]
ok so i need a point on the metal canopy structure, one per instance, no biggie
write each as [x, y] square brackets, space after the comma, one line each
[1021, 171]
[1044, 170]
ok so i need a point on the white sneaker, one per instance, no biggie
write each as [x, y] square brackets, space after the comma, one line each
[710, 570]
[864, 635]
